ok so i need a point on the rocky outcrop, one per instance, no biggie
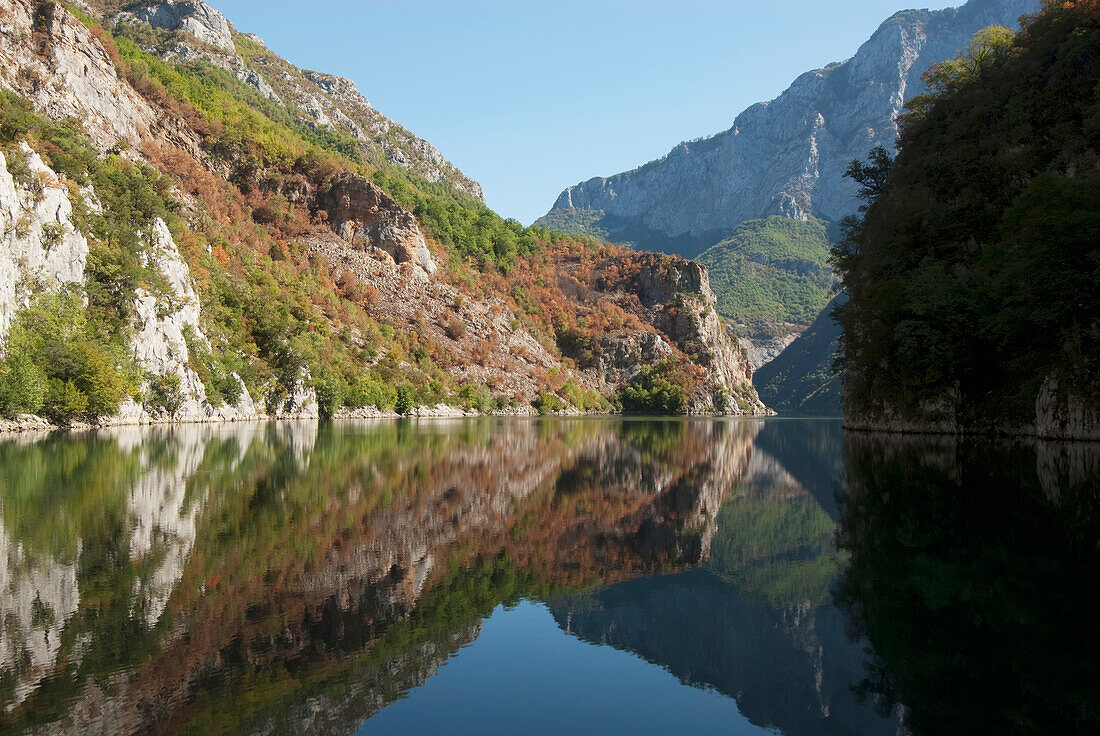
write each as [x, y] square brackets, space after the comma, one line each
[786, 156]
[192, 16]
[164, 323]
[1059, 415]
[674, 296]
[365, 215]
[68, 73]
[40, 246]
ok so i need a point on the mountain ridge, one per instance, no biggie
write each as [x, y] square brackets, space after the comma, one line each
[785, 156]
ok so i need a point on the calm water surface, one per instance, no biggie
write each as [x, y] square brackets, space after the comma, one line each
[583, 576]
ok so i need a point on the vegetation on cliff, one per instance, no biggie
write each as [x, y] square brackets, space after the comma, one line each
[974, 274]
[244, 183]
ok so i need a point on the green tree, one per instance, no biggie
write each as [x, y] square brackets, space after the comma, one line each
[22, 386]
[99, 380]
[406, 399]
[329, 392]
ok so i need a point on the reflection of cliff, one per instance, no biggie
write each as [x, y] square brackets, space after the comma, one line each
[974, 573]
[753, 621]
[294, 580]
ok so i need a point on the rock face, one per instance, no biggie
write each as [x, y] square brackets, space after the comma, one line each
[674, 295]
[362, 213]
[193, 16]
[787, 156]
[71, 74]
[160, 344]
[40, 246]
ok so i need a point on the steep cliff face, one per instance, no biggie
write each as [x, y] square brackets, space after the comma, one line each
[672, 298]
[787, 156]
[362, 213]
[40, 245]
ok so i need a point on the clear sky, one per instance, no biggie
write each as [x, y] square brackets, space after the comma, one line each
[531, 96]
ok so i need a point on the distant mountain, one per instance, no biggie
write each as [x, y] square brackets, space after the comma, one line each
[783, 157]
[801, 381]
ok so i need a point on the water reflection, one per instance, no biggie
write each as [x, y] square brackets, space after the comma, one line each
[298, 579]
[975, 572]
[754, 621]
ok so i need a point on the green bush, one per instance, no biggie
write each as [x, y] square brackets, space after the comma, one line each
[548, 403]
[477, 397]
[65, 401]
[22, 386]
[99, 380]
[653, 391]
[329, 392]
[164, 394]
[55, 335]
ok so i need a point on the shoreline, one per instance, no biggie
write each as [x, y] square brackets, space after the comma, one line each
[30, 423]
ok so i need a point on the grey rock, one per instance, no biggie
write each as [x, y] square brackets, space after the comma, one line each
[193, 16]
[254, 79]
[40, 245]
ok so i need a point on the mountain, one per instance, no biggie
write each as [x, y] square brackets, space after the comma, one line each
[784, 157]
[974, 276]
[771, 278]
[192, 228]
[802, 380]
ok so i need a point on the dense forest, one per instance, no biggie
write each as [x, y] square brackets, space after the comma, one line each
[974, 273]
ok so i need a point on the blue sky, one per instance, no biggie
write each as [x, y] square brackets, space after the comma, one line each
[531, 96]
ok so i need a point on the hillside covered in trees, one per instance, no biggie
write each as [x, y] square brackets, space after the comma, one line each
[974, 275]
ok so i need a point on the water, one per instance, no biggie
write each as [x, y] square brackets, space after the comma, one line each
[546, 576]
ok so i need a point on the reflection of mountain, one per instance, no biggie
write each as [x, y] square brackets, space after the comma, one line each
[293, 580]
[810, 451]
[790, 669]
[753, 621]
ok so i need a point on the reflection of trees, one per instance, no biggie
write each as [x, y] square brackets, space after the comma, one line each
[222, 576]
[977, 589]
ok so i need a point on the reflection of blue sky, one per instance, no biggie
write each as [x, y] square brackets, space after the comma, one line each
[523, 674]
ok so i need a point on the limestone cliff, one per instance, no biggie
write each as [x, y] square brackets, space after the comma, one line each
[787, 156]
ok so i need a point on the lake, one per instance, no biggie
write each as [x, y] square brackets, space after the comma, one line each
[544, 576]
